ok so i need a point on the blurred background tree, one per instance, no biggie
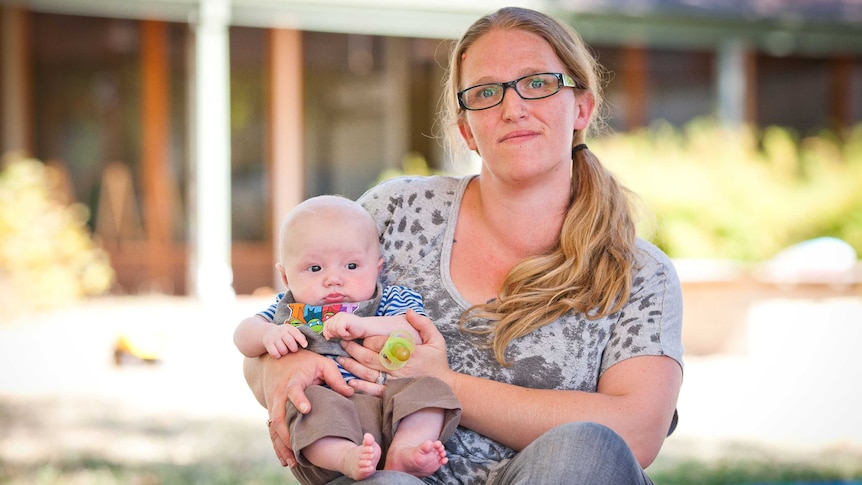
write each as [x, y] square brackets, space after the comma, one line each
[739, 194]
[47, 254]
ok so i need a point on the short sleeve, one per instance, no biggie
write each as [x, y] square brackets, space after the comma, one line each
[651, 321]
[269, 313]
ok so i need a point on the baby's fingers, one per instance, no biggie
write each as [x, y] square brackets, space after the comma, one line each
[297, 339]
[276, 349]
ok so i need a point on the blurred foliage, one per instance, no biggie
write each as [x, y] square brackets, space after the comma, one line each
[413, 163]
[47, 255]
[739, 194]
[758, 472]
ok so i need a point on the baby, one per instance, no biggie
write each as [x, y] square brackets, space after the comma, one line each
[330, 261]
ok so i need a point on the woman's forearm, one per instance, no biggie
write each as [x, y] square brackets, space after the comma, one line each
[252, 368]
[515, 416]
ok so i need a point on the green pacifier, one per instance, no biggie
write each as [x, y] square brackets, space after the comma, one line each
[397, 349]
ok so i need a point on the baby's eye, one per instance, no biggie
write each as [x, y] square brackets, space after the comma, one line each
[352, 265]
[314, 268]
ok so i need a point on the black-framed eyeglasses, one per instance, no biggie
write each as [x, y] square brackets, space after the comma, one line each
[532, 86]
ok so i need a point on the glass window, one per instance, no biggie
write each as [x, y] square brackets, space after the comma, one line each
[793, 91]
[87, 89]
[681, 85]
[86, 95]
[249, 91]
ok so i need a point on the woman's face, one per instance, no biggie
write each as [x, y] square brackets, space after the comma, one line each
[520, 141]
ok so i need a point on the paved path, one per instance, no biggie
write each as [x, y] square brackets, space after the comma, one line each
[794, 388]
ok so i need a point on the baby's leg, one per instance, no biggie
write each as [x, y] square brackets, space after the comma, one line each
[355, 461]
[415, 448]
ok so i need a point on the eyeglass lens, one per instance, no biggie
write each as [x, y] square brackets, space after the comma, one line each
[534, 86]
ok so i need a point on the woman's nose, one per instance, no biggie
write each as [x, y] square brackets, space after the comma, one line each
[513, 105]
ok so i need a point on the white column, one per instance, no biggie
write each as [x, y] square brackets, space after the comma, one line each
[211, 275]
[731, 82]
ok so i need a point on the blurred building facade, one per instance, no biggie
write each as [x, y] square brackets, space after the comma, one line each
[190, 127]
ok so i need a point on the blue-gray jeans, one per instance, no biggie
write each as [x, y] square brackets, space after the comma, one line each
[578, 453]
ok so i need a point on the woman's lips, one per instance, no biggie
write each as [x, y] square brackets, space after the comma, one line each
[518, 135]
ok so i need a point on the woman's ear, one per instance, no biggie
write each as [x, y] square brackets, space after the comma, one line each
[585, 104]
[280, 268]
[467, 134]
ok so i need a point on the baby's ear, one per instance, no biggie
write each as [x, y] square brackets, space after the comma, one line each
[280, 268]
[380, 265]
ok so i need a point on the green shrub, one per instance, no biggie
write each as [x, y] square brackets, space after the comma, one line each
[47, 256]
[739, 194]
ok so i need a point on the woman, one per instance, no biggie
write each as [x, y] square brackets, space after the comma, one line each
[556, 327]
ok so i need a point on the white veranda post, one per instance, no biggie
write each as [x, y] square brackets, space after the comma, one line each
[210, 259]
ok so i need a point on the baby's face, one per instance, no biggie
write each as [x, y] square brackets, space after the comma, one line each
[331, 263]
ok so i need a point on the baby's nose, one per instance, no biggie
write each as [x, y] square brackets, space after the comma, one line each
[332, 279]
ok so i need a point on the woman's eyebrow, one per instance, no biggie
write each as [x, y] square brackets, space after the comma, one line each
[523, 72]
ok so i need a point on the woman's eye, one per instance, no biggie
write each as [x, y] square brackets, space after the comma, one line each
[537, 83]
[352, 265]
[486, 93]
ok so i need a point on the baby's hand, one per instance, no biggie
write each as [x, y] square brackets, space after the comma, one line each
[283, 339]
[341, 325]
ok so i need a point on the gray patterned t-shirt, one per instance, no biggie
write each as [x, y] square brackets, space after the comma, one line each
[416, 218]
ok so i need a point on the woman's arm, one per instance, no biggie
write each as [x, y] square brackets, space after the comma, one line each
[636, 397]
[274, 382]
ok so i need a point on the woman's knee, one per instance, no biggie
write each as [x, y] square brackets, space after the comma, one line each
[579, 439]
[578, 452]
[585, 432]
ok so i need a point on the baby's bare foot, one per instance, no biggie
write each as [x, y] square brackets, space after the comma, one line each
[361, 462]
[419, 461]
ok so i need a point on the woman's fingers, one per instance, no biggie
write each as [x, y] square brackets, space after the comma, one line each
[364, 364]
[374, 343]
[280, 437]
[364, 356]
[429, 358]
[278, 432]
[365, 387]
[428, 332]
[333, 378]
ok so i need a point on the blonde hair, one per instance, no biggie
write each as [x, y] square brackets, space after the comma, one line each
[590, 269]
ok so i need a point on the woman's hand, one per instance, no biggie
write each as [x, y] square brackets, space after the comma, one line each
[277, 381]
[428, 358]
